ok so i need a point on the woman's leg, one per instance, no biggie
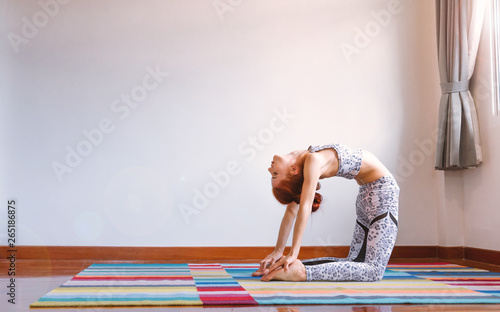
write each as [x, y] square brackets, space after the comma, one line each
[358, 239]
[380, 236]
[369, 265]
[379, 243]
[356, 244]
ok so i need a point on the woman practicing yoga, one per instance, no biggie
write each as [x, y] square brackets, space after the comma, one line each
[295, 179]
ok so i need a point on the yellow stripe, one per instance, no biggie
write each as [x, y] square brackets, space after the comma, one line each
[115, 303]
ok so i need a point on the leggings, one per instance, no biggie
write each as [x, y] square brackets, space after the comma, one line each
[374, 237]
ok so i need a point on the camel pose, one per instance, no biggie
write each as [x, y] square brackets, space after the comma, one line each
[295, 179]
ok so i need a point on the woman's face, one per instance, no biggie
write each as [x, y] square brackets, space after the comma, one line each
[280, 167]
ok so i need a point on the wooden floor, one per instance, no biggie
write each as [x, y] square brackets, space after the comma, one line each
[35, 278]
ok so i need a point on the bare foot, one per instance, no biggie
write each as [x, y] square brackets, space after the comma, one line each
[260, 272]
[296, 273]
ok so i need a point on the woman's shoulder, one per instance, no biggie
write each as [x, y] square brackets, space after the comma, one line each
[313, 160]
[323, 162]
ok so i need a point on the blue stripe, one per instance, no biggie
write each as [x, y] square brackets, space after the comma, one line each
[490, 292]
[216, 285]
[137, 265]
[376, 301]
[131, 273]
[478, 274]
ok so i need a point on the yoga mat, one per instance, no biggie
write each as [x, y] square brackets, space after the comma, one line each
[129, 284]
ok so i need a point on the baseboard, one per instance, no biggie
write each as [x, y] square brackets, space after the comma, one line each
[166, 253]
[482, 255]
[470, 253]
[198, 253]
[101, 253]
[403, 252]
[450, 252]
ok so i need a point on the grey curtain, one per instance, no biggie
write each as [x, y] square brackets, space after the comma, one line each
[459, 25]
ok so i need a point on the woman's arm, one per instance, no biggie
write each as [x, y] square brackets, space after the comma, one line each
[284, 232]
[286, 226]
[312, 172]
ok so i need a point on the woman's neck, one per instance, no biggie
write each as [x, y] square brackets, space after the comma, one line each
[300, 157]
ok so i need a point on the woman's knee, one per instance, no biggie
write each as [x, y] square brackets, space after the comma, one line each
[376, 273]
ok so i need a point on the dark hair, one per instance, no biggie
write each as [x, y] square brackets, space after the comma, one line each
[290, 189]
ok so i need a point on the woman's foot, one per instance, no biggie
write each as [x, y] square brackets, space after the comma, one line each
[296, 273]
[260, 272]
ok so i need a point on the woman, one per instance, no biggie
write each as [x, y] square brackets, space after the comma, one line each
[295, 179]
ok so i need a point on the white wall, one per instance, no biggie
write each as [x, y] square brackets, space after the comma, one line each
[481, 204]
[291, 73]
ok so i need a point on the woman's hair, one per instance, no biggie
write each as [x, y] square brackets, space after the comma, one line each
[290, 189]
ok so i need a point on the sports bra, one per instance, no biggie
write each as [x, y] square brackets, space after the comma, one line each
[349, 159]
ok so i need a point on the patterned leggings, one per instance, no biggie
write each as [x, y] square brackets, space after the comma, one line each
[374, 237]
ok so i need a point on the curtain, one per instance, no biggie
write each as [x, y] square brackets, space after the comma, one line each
[459, 24]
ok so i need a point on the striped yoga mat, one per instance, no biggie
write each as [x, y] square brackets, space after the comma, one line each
[105, 285]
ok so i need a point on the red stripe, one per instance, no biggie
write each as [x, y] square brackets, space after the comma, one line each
[465, 279]
[426, 264]
[231, 302]
[224, 298]
[474, 284]
[239, 288]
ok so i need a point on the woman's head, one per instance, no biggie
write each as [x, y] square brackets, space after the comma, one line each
[287, 180]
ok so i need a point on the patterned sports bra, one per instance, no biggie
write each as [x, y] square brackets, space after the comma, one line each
[349, 159]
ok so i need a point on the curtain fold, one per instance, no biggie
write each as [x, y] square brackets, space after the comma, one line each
[459, 24]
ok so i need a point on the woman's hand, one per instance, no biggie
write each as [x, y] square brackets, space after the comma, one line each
[269, 260]
[283, 262]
